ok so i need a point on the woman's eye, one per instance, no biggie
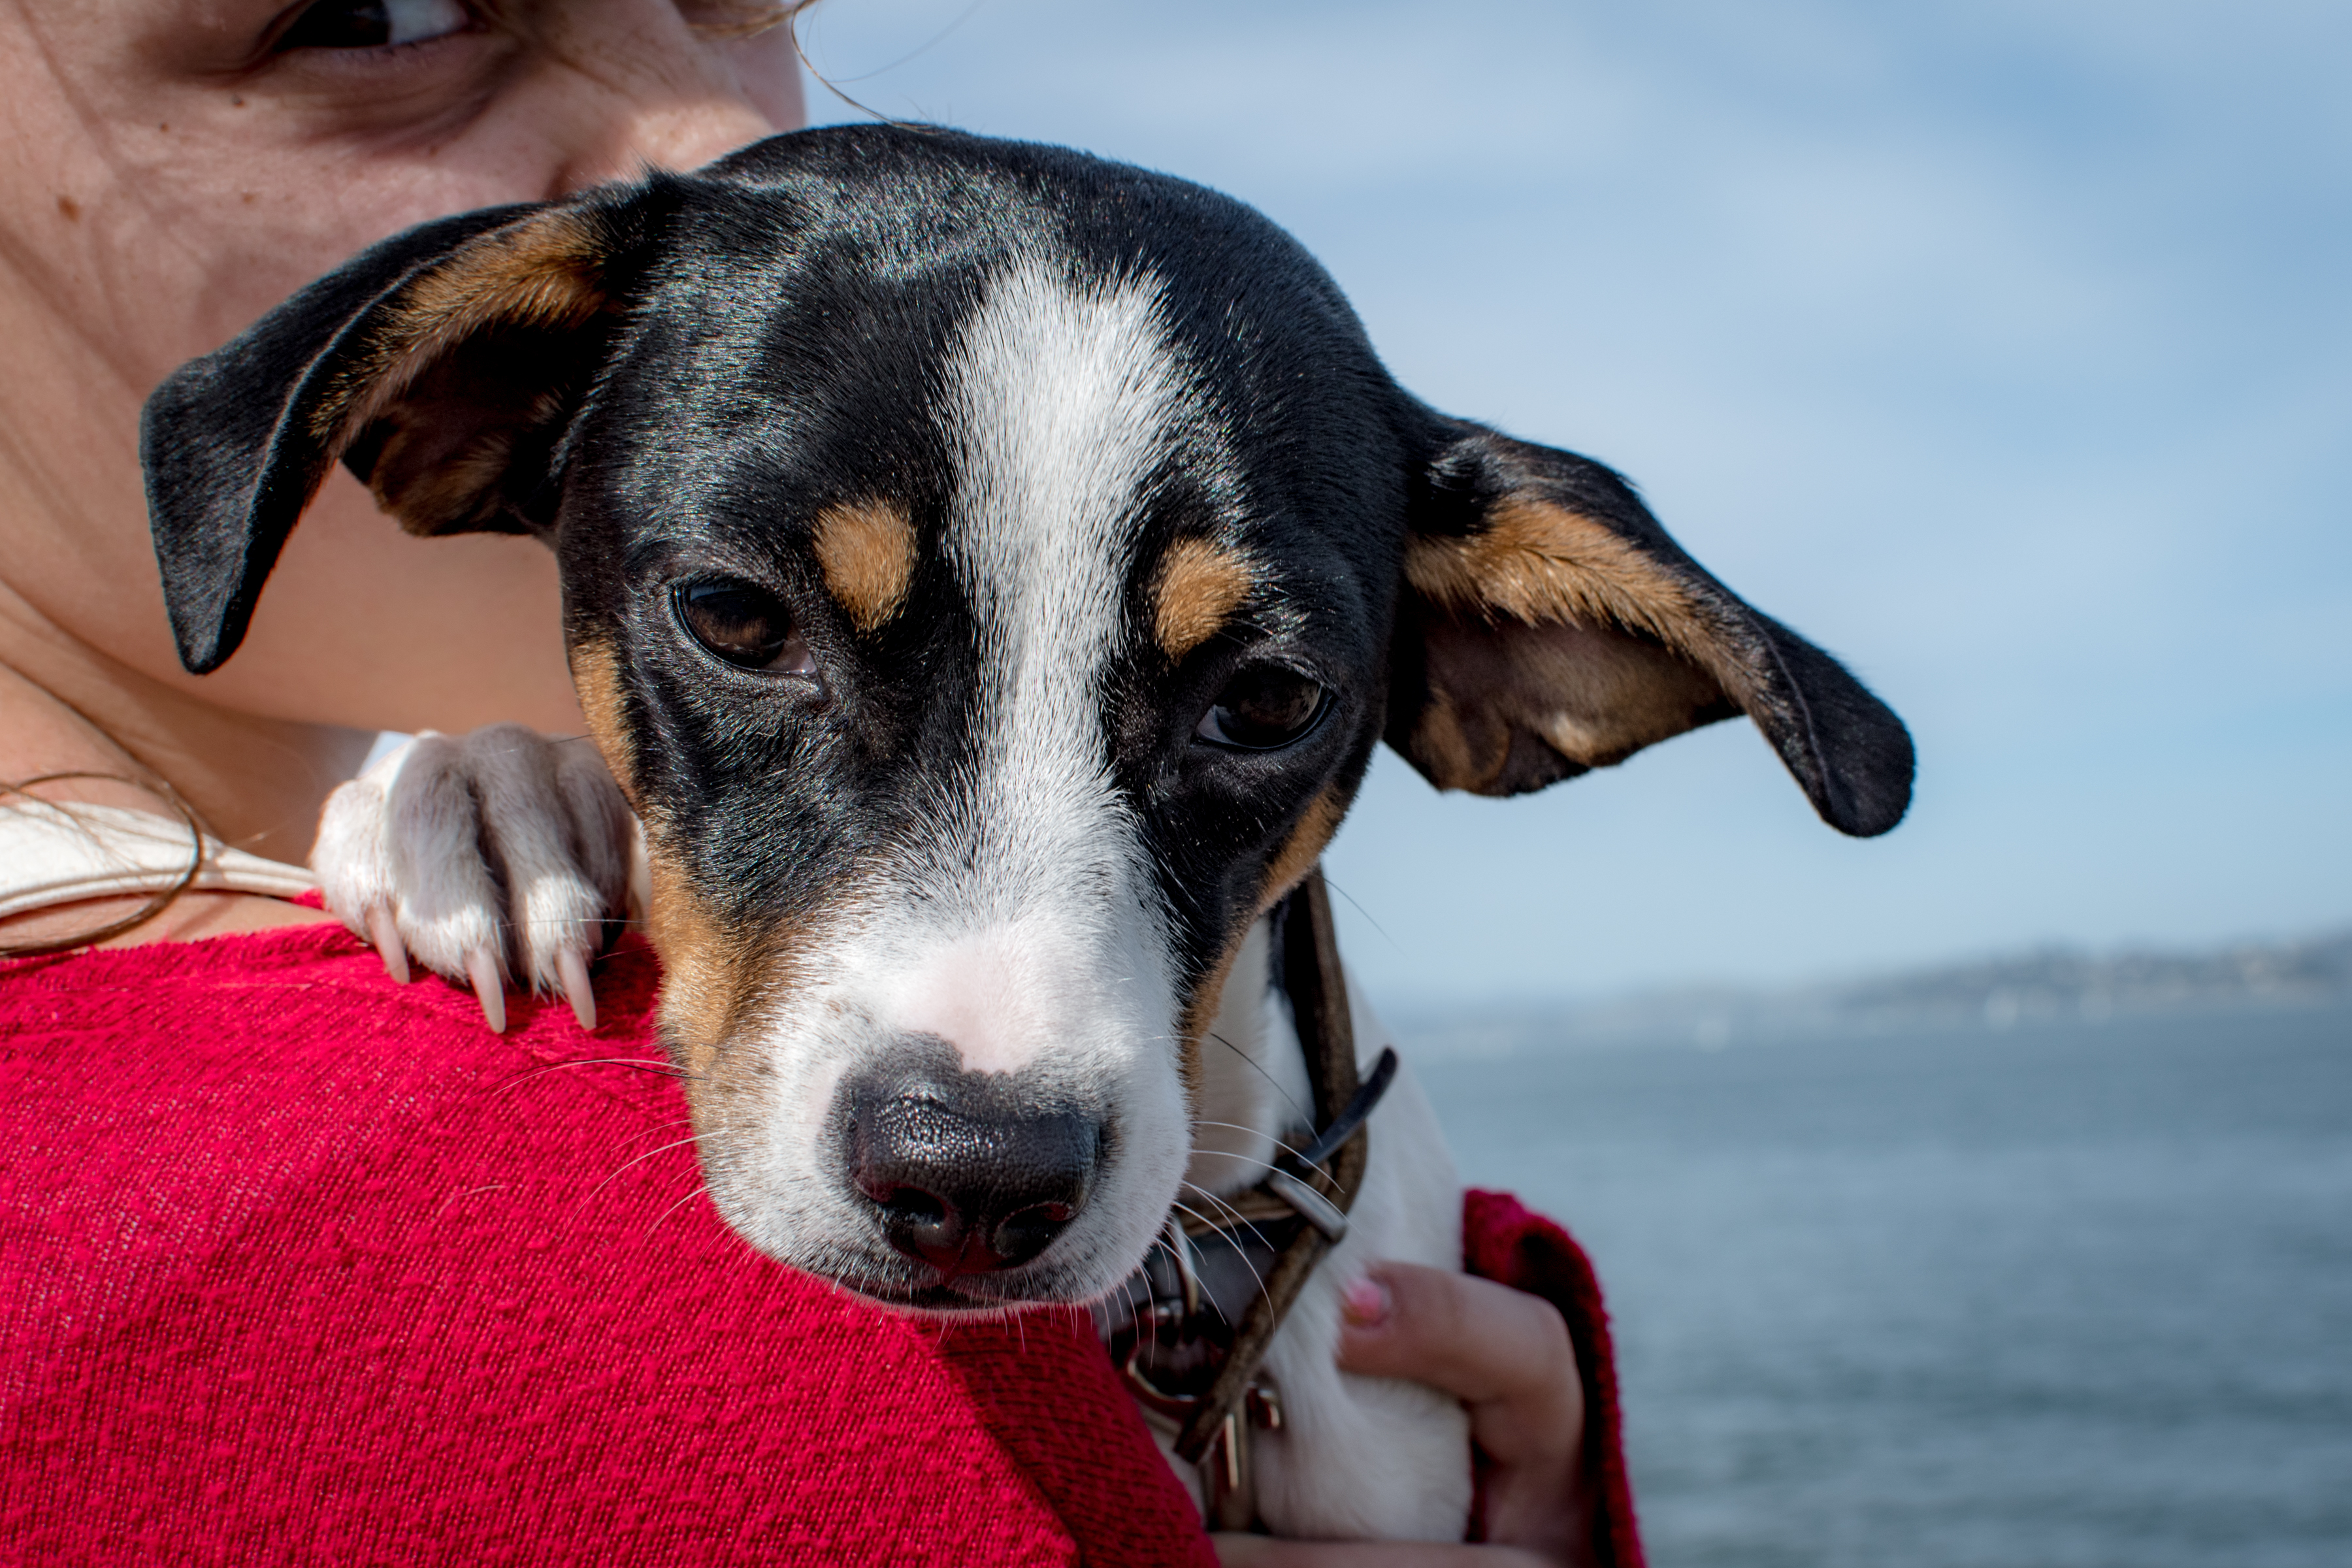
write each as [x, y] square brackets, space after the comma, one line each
[1263, 707]
[745, 626]
[375, 24]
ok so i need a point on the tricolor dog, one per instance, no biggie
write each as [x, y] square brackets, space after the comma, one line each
[987, 571]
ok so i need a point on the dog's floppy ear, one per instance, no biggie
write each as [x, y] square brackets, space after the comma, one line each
[440, 366]
[1549, 626]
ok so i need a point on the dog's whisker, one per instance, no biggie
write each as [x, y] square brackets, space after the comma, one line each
[699, 1191]
[638, 1160]
[511, 921]
[1241, 1222]
[1244, 1159]
[1259, 1068]
[656, 1131]
[1151, 1319]
[639, 1064]
[1355, 904]
[1204, 1219]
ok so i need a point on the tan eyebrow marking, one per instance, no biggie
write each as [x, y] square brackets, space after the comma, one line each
[867, 550]
[1197, 588]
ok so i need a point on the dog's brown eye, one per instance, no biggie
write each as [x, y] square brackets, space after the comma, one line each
[744, 625]
[1263, 707]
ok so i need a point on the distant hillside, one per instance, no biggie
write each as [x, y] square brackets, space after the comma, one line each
[2049, 984]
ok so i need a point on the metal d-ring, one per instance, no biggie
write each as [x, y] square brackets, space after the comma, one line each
[1312, 1206]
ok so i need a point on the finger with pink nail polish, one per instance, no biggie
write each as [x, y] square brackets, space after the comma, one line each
[1365, 1304]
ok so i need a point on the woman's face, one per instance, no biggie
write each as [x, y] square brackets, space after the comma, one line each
[177, 166]
[170, 169]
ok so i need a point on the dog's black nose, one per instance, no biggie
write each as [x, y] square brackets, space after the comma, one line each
[965, 1178]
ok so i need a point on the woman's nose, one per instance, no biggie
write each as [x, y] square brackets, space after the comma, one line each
[648, 89]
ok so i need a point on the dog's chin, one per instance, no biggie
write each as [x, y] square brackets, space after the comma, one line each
[947, 1302]
[919, 1290]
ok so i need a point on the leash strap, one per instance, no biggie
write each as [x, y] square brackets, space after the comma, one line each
[1318, 999]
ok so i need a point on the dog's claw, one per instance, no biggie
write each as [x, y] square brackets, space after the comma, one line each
[385, 932]
[487, 989]
[482, 859]
[573, 970]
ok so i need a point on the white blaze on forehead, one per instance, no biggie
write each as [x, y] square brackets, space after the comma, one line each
[1060, 396]
[1061, 401]
[1021, 923]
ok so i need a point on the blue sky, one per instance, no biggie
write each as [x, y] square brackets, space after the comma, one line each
[2003, 348]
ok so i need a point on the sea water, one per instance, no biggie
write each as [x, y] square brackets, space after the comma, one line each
[2072, 1295]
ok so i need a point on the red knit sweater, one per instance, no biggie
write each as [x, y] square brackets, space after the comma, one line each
[296, 1265]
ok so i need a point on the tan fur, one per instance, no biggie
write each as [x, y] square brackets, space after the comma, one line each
[1201, 1012]
[1547, 623]
[1196, 590]
[434, 473]
[1291, 862]
[701, 973]
[597, 677]
[713, 977]
[1304, 846]
[543, 271]
[434, 486]
[1538, 563]
[867, 552]
[1595, 697]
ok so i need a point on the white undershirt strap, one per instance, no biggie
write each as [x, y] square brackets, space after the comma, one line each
[55, 854]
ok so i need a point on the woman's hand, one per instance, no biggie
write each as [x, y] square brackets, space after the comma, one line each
[1506, 1356]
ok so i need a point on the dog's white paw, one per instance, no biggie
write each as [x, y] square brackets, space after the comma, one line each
[491, 856]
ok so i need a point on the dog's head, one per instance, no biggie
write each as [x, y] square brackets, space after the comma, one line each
[988, 571]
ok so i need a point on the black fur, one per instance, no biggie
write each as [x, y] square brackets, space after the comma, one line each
[773, 347]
